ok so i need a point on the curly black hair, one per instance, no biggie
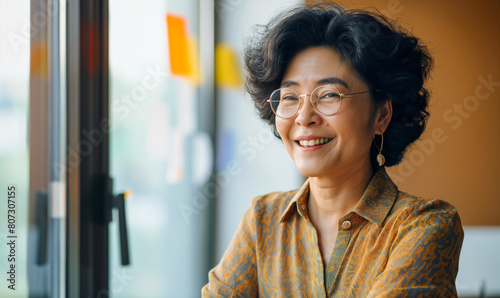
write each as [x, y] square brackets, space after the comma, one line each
[393, 63]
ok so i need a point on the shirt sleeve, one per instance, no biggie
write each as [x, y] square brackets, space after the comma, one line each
[424, 258]
[236, 274]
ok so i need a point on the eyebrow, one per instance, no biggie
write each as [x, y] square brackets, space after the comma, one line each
[332, 80]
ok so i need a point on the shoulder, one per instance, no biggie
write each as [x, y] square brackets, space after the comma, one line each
[265, 213]
[412, 211]
[272, 204]
[409, 204]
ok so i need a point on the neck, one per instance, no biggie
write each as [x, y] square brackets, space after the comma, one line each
[335, 196]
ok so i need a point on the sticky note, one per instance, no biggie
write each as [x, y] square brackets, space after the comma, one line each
[38, 63]
[225, 149]
[195, 75]
[227, 69]
[178, 46]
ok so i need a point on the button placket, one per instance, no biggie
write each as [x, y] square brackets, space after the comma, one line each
[339, 250]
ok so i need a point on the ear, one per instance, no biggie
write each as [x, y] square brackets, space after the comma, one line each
[383, 117]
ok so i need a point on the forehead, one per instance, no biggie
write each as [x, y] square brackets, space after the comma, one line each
[312, 65]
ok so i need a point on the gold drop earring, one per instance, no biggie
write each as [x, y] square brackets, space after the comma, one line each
[380, 157]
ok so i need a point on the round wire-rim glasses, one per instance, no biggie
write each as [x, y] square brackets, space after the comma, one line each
[326, 99]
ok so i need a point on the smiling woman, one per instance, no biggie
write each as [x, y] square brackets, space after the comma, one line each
[350, 128]
[343, 90]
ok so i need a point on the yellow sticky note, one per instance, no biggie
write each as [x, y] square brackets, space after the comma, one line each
[227, 69]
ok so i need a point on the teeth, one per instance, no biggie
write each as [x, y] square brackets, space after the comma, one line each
[315, 142]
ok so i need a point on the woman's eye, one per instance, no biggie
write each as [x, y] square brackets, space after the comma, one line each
[329, 96]
[289, 97]
[332, 94]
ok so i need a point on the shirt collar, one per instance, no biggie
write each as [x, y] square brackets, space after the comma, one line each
[374, 205]
[299, 201]
[378, 198]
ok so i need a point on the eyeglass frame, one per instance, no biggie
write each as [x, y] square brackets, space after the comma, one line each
[341, 96]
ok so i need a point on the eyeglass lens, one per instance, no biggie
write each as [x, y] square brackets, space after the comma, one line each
[326, 99]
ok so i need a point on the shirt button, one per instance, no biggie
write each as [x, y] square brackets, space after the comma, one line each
[346, 225]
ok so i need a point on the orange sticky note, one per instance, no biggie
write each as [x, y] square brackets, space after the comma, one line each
[178, 45]
[38, 63]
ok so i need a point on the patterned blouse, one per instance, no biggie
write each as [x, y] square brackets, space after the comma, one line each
[391, 244]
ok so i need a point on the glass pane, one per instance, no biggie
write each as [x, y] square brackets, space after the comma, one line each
[155, 131]
[14, 100]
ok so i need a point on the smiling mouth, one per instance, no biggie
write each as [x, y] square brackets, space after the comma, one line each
[314, 142]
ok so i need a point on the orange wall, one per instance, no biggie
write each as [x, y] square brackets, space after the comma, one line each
[458, 157]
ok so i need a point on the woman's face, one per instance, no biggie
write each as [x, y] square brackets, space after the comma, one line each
[350, 130]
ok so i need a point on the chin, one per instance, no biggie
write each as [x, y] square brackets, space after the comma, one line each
[314, 167]
[308, 172]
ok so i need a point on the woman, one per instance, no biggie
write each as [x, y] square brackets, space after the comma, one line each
[343, 90]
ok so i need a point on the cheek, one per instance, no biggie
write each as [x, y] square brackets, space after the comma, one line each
[282, 128]
[356, 130]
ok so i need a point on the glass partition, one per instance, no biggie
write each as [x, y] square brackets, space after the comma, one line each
[160, 147]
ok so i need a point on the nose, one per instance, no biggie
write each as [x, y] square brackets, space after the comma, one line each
[307, 114]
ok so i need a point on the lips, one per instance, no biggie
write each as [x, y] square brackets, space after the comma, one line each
[311, 142]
